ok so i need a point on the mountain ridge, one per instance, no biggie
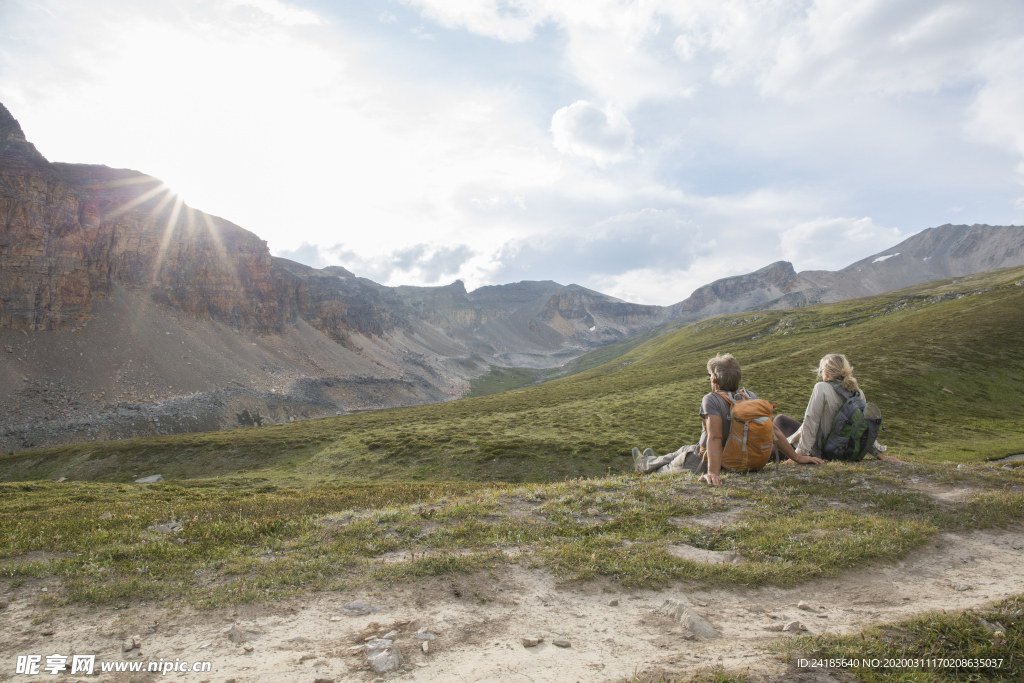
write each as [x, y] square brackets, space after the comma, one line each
[104, 261]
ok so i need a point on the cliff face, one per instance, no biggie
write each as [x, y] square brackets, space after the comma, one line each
[70, 232]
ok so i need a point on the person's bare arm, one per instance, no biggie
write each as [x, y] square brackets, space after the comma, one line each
[787, 450]
[713, 427]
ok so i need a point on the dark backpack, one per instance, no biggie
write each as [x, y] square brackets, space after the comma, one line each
[854, 430]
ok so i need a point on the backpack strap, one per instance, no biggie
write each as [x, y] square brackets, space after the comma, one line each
[841, 390]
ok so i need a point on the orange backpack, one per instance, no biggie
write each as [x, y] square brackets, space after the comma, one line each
[751, 433]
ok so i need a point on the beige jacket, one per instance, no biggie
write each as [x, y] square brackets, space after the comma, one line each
[822, 407]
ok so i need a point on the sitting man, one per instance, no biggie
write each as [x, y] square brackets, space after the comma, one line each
[705, 458]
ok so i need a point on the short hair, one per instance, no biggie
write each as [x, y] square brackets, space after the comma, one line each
[726, 371]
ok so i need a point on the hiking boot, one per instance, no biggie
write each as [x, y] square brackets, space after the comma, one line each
[648, 452]
[638, 459]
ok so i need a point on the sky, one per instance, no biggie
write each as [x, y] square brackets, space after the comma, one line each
[641, 149]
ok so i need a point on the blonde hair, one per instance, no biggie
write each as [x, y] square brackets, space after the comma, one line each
[838, 368]
[726, 370]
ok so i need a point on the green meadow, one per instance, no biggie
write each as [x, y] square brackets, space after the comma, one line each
[541, 475]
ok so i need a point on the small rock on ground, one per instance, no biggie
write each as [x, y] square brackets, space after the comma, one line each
[561, 642]
[695, 623]
[613, 603]
[359, 607]
[793, 627]
[530, 641]
[150, 479]
[382, 655]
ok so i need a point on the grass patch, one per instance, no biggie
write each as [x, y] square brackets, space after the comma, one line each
[932, 647]
[244, 541]
[269, 511]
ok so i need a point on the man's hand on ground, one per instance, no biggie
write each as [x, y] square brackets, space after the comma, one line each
[712, 479]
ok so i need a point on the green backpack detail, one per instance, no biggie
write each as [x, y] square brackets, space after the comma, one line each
[854, 430]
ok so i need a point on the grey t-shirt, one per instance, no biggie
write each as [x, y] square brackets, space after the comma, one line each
[714, 404]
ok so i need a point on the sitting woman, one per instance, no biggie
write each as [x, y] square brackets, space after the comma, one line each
[822, 408]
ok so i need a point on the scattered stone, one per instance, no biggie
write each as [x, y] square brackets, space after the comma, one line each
[152, 479]
[531, 641]
[323, 680]
[794, 626]
[248, 648]
[990, 627]
[689, 552]
[961, 467]
[238, 635]
[805, 605]
[354, 648]
[414, 625]
[382, 655]
[391, 635]
[47, 630]
[4, 603]
[821, 616]
[307, 656]
[685, 614]
[169, 528]
[613, 603]
[335, 619]
[136, 641]
[106, 515]
[593, 512]
[359, 607]
[62, 480]
[561, 642]
[425, 646]
[963, 587]
[127, 645]
[426, 635]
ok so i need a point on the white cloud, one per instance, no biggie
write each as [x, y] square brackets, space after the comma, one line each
[584, 129]
[833, 243]
[509, 20]
[279, 12]
[996, 112]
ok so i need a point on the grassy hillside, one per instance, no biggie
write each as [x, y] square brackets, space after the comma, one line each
[943, 361]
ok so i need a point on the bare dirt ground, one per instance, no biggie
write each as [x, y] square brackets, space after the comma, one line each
[478, 622]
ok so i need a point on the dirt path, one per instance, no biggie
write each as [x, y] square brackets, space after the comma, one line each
[478, 622]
